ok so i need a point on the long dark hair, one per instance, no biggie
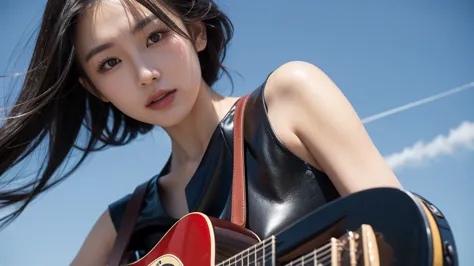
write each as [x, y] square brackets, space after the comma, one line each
[52, 105]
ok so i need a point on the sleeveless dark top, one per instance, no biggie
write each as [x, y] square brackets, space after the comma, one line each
[281, 187]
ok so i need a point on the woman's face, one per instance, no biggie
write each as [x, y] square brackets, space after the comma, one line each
[132, 62]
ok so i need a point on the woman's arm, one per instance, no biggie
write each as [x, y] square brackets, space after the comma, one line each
[325, 123]
[98, 244]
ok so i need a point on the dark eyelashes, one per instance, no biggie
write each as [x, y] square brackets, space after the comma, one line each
[162, 31]
[102, 63]
[159, 31]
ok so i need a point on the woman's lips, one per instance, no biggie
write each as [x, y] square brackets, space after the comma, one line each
[161, 100]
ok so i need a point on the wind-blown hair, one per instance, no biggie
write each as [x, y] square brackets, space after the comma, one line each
[53, 107]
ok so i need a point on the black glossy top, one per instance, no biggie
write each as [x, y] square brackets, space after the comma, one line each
[281, 188]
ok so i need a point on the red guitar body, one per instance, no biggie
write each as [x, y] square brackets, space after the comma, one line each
[198, 240]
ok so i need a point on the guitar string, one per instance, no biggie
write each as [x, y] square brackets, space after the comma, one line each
[258, 258]
[261, 246]
[319, 256]
[323, 250]
[311, 255]
[320, 261]
[323, 261]
[249, 256]
[314, 256]
[253, 258]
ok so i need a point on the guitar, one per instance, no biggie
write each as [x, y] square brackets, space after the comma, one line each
[382, 226]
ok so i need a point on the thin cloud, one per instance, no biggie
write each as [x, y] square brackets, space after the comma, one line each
[458, 138]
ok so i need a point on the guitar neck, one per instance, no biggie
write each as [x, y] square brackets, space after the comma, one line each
[328, 254]
[354, 248]
[262, 253]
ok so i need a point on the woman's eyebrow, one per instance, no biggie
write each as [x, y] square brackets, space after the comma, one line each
[140, 25]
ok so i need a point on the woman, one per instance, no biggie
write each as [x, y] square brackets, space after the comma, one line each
[123, 67]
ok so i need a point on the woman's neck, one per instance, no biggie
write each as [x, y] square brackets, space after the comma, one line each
[191, 136]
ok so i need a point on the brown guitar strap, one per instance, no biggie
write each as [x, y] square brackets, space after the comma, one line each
[128, 223]
[239, 206]
[239, 203]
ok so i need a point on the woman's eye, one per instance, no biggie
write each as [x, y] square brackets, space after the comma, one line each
[154, 37]
[112, 62]
[108, 64]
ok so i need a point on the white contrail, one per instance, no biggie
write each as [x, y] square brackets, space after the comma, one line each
[461, 137]
[417, 103]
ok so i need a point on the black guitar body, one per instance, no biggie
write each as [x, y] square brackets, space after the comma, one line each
[410, 230]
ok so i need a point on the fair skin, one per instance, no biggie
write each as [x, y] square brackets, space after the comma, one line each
[307, 111]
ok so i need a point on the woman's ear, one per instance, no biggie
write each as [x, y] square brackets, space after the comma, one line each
[94, 92]
[199, 35]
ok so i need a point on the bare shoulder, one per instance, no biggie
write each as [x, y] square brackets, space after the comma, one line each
[98, 243]
[284, 89]
[303, 91]
[295, 80]
[313, 115]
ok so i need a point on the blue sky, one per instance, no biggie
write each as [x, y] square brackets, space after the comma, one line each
[381, 55]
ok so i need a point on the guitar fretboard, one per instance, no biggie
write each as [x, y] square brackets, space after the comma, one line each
[261, 254]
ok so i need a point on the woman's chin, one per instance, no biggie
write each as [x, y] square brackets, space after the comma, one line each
[172, 119]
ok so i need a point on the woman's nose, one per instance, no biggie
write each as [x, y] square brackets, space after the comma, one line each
[147, 75]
